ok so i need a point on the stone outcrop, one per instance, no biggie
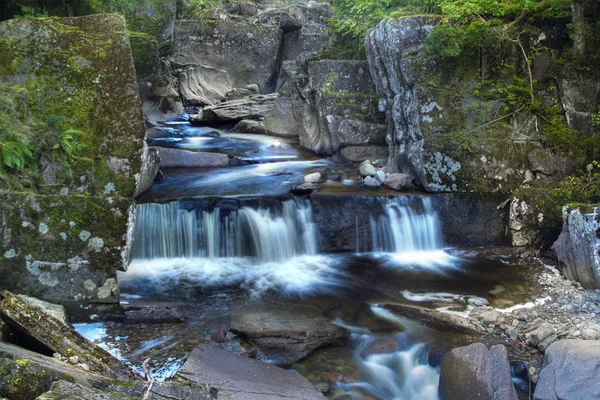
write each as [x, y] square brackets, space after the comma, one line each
[332, 108]
[252, 107]
[578, 246]
[474, 372]
[474, 221]
[226, 44]
[78, 219]
[177, 158]
[243, 378]
[570, 371]
[202, 86]
[432, 114]
[43, 327]
[286, 334]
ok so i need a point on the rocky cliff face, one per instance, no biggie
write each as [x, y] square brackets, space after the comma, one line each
[76, 218]
[440, 127]
[578, 246]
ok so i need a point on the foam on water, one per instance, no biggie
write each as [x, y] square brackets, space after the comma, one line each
[305, 274]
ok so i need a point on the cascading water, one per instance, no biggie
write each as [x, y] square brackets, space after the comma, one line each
[402, 229]
[167, 231]
[257, 249]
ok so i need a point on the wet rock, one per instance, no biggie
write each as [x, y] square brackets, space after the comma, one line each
[570, 371]
[539, 334]
[276, 144]
[177, 158]
[578, 246]
[315, 177]
[398, 181]
[286, 333]
[381, 175]
[380, 346]
[303, 189]
[243, 378]
[200, 85]
[151, 314]
[253, 107]
[49, 332]
[250, 126]
[434, 318]
[370, 182]
[474, 372]
[487, 315]
[367, 169]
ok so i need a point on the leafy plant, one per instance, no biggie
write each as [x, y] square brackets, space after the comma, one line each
[15, 152]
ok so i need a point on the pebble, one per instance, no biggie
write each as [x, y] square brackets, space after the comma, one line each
[276, 145]
[589, 334]
[74, 360]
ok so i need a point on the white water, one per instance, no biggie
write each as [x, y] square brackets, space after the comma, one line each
[167, 231]
[299, 275]
[403, 374]
[402, 229]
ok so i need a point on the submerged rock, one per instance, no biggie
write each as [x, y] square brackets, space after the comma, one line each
[47, 331]
[243, 378]
[287, 333]
[303, 189]
[570, 371]
[434, 318]
[370, 182]
[253, 107]
[474, 372]
[177, 158]
[578, 246]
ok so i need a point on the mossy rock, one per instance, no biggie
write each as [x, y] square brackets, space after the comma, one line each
[81, 69]
[64, 248]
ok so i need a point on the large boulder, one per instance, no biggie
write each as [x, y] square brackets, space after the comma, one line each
[31, 319]
[73, 226]
[578, 246]
[177, 158]
[286, 333]
[226, 44]
[474, 372]
[252, 107]
[243, 378]
[570, 372]
[200, 85]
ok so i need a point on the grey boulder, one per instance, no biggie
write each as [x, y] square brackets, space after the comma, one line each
[474, 372]
[398, 181]
[571, 371]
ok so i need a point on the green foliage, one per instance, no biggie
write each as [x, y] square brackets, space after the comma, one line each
[15, 152]
[31, 12]
[352, 19]
[53, 140]
[583, 188]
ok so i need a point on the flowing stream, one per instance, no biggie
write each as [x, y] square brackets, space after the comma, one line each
[207, 240]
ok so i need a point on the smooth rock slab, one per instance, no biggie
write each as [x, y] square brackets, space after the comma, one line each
[286, 333]
[253, 107]
[241, 378]
[434, 318]
[44, 328]
[571, 371]
[176, 158]
[474, 372]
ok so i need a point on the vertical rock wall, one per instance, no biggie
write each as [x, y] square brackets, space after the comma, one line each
[63, 238]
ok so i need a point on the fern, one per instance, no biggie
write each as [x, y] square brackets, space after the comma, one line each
[15, 153]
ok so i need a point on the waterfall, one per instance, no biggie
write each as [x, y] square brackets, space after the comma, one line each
[403, 229]
[168, 231]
